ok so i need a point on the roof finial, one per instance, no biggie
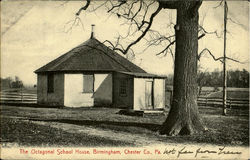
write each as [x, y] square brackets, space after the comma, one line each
[92, 31]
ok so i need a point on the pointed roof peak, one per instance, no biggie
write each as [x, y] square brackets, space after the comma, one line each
[92, 55]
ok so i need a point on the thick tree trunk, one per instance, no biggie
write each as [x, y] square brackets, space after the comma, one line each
[183, 117]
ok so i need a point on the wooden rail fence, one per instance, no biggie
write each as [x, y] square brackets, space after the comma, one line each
[213, 101]
[17, 97]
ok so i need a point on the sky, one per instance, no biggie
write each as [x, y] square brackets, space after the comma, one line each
[34, 33]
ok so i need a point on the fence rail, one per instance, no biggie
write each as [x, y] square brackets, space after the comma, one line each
[213, 101]
[231, 102]
[17, 97]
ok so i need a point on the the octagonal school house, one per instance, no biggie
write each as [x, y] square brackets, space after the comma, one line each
[94, 75]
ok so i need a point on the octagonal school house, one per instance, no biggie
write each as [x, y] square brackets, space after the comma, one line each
[94, 75]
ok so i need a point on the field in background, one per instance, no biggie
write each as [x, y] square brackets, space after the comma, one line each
[231, 94]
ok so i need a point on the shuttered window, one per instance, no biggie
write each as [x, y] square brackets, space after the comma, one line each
[123, 87]
[50, 82]
[88, 83]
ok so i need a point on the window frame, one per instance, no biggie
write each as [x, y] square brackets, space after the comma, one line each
[93, 82]
[123, 87]
[50, 83]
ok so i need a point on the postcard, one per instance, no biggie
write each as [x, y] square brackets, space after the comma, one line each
[124, 79]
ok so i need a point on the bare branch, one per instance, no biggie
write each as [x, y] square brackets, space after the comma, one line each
[128, 18]
[145, 31]
[219, 4]
[116, 6]
[83, 8]
[138, 10]
[206, 32]
[114, 48]
[156, 38]
[146, 10]
[73, 23]
[234, 60]
[130, 9]
[166, 48]
[173, 42]
[205, 50]
[145, 25]
[99, 6]
[126, 14]
[155, 41]
[233, 21]
[129, 33]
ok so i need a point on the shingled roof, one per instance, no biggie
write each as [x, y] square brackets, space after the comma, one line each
[91, 55]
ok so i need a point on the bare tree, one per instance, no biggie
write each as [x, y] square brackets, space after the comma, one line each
[183, 117]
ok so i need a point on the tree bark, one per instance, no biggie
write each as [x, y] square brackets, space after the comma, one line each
[183, 117]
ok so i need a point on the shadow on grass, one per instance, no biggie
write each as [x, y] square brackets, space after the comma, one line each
[27, 134]
[148, 126]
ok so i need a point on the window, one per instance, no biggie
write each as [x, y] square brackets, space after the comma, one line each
[123, 87]
[50, 83]
[88, 83]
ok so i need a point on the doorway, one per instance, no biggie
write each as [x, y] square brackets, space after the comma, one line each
[149, 103]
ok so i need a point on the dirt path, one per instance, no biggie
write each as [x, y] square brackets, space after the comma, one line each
[138, 139]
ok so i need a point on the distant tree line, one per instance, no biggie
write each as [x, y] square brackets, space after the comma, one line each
[9, 82]
[238, 79]
[235, 78]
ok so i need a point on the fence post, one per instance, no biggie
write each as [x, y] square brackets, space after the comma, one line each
[206, 102]
[21, 94]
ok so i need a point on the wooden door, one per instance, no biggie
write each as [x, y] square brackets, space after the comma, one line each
[149, 95]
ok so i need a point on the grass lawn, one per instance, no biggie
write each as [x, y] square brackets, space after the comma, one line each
[18, 125]
[26, 133]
